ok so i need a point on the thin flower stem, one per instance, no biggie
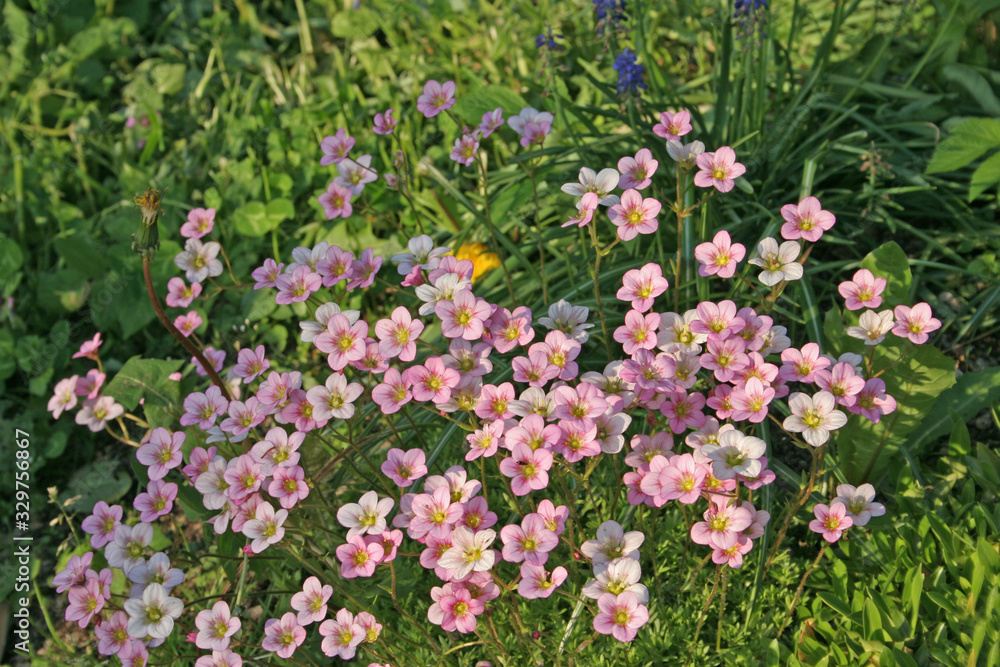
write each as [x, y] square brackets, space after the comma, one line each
[493, 234]
[800, 500]
[704, 614]
[597, 287]
[538, 226]
[722, 610]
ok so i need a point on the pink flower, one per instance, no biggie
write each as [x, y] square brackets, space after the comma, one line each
[298, 285]
[634, 215]
[673, 126]
[527, 468]
[244, 476]
[803, 365]
[384, 123]
[96, 412]
[621, 616]
[469, 552]
[266, 275]
[533, 432]
[530, 542]
[463, 316]
[464, 150]
[511, 329]
[179, 295]
[200, 222]
[288, 486]
[735, 454]
[456, 611]
[251, 364]
[434, 512]
[584, 210]
[343, 341]
[215, 627]
[806, 221]
[863, 291]
[398, 335]
[915, 323]
[491, 122]
[335, 399]
[358, 558]
[265, 528]
[112, 635]
[859, 502]
[729, 550]
[494, 402]
[720, 319]
[682, 479]
[432, 381]
[873, 402]
[814, 417]
[364, 269]
[436, 98]
[579, 439]
[203, 409]
[63, 397]
[719, 257]
[720, 519]
[534, 132]
[641, 286]
[485, 441]
[157, 501]
[341, 636]
[75, 571]
[638, 332]
[392, 393]
[162, 453]
[404, 468]
[725, 358]
[336, 201]
[84, 602]
[283, 636]
[335, 148]
[102, 523]
[636, 171]
[311, 601]
[537, 583]
[718, 169]
[89, 349]
[842, 381]
[187, 324]
[831, 521]
[243, 416]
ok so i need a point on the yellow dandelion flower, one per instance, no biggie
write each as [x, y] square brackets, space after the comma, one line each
[482, 259]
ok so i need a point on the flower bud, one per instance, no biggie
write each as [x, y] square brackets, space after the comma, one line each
[147, 239]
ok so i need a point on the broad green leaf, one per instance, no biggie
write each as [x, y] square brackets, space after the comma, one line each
[985, 176]
[971, 393]
[471, 106]
[257, 219]
[974, 82]
[144, 378]
[81, 253]
[11, 258]
[967, 142]
[915, 382]
[890, 262]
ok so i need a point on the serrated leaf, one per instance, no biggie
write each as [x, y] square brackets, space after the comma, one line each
[986, 175]
[890, 262]
[968, 141]
[144, 379]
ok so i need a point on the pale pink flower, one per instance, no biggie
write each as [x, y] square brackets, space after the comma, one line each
[806, 221]
[463, 316]
[642, 286]
[585, 401]
[162, 453]
[535, 133]
[530, 542]
[204, 409]
[266, 275]
[915, 323]
[75, 572]
[536, 583]
[84, 602]
[63, 397]
[568, 319]
[484, 441]
[456, 611]
[187, 324]
[617, 576]
[718, 169]
[634, 215]
[578, 440]
[90, 385]
[638, 332]
[282, 636]
[153, 614]
[277, 450]
[336, 201]
[554, 517]
[265, 528]
[392, 393]
[491, 122]
[736, 454]
[863, 290]
[358, 558]
[842, 381]
[200, 222]
[636, 172]
[720, 319]
[802, 365]
[398, 335]
[112, 635]
[725, 358]
[620, 616]
[720, 519]
[101, 525]
[179, 295]
[95, 413]
[422, 253]
[365, 516]
[673, 126]
[600, 184]
[873, 402]
[244, 475]
[243, 416]
[90, 348]
[729, 549]
[434, 511]
[336, 147]
[288, 486]
[814, 417]
[831, 521]
[353, 175]
[778, 262]
[251, 364]
[685, 155]
[584, 210]
[676, 333]
[199, 260]
[404, 468]
[436, 98]
[533, 432]
[511, 329]
[527, 468]
[343, 341]
[719, 257]
[494, 402]
[215, 627]
[476, 515]
[432, 381]
[464, 149]
[363, 269]
[469, 552]
[216, 357]
[384, 123]
[683, 410]
[341, 636]
[334, 399]
[612, 542]
[872, 327]
[311, 601]
[859, 502]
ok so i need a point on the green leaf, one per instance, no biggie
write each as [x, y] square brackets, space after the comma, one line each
[256, 219]
[81, 253]
[974, 82]
[169, 77]
[890, 262]
[7, 363]
[471, 106]
[144, 379]
[915, 382]
[960, 443]
[100, 480]
[967, 142]
[970, 394]
[986, 175]
[11, 258]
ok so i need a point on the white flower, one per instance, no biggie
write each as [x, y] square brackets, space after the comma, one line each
[813, 417]
[312, 329]
[675, 333]
[308, 257]
[469, 552]
[528, 115]
[366, 516]
[444, 289]
[612, 542]
[422, 253]
[685, 154]
[128, 549]
[778, 262]
[212, 485]
[156, 571]
[601, 184]
[265, 528]
[859, 502]
[872, 327]
[616, 577]
[354, 174]
[153, 614]
[198, 260]
[533, 401]
[736, 454]
[775, 341]
[569, 319]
